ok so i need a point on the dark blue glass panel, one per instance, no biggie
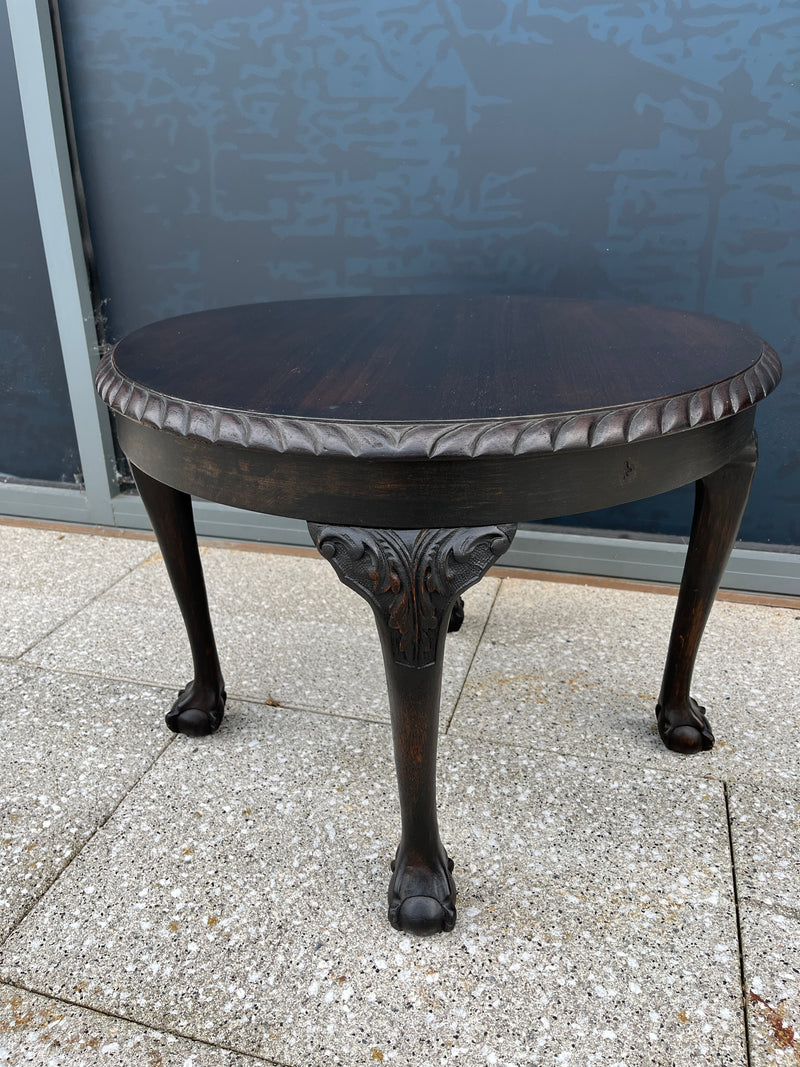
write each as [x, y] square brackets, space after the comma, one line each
[636, 151]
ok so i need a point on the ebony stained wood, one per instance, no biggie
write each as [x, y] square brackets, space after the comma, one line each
[720, 500]
[492, 386]
[413, 493]
[423, 421]
[450, 358]
[412, 579]
[200, 706]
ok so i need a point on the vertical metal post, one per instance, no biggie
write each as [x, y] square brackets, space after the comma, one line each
[40, 93]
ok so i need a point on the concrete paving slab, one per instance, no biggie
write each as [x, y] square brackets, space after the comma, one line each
[286, 628]
[70, 748]
[258, 583]
[578, 669]
[47, 576]
[247, 907]
[765, 828]
[771, 949]
[41, 1032]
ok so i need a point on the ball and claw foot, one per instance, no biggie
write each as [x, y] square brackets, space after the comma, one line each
[685, 729]
[198, 710]
[456, 616]
[425, 902]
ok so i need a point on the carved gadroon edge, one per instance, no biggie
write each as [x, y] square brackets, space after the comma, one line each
[412, 578]
[524, 435]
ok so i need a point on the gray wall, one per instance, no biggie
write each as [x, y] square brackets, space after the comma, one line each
[235, 150]
[37, 437]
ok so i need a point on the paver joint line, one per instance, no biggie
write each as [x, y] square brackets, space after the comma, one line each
[135, 1022]
[472, 657]
[98, 827]
[739, 935]
[73, 615]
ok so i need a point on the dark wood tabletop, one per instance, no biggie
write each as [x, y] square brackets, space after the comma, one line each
[305, 388]
[422, 359]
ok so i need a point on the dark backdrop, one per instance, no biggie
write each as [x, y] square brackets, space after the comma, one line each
[236, 150]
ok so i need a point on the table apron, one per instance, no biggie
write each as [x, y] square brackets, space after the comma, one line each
[414, 493]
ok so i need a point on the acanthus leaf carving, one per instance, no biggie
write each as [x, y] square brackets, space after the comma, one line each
[411, 578]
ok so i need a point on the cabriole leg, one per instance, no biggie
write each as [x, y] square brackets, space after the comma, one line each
[412, 579]
[719, 505]
[201, 705]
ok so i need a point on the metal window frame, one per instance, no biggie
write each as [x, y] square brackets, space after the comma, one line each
[100, 502]
[40, 94]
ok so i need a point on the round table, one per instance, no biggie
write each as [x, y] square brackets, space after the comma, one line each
[412, 434]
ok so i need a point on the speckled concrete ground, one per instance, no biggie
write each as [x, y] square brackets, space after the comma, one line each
[222, 901]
